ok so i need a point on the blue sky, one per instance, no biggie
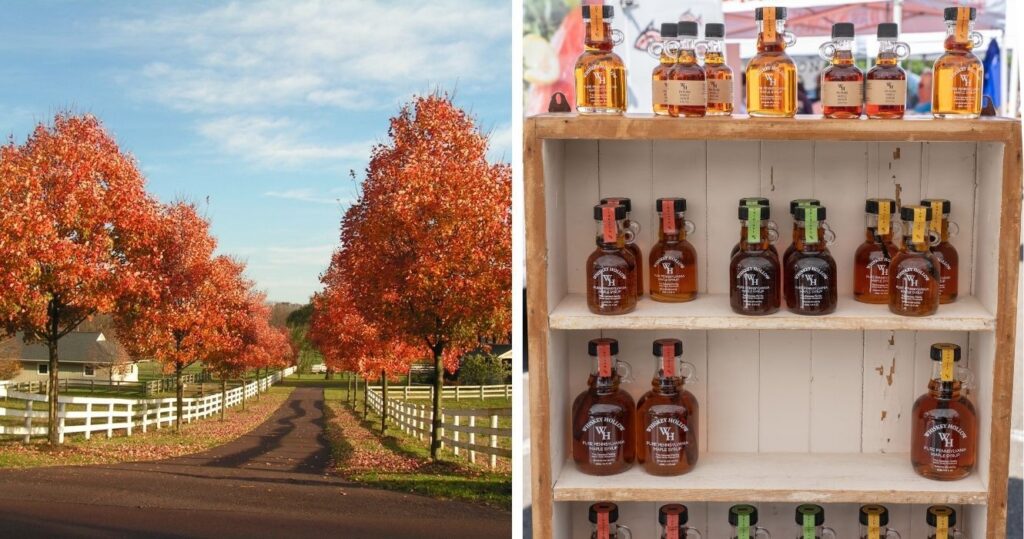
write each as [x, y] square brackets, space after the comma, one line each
[260, 107]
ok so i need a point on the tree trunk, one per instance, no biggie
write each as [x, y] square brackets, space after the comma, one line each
[366, 401]
[258, 383]
[435, 430]
[223, 397]
[52, 428]
[180, 389]
[384, 408]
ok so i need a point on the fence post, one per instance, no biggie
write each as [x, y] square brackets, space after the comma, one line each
[494, 441]
[28, 421]
[60, 426]
[440, 435]
[145, 415]
[472, 439]
[88, 420]
[455, 436]
[131, 418]
[110, 420]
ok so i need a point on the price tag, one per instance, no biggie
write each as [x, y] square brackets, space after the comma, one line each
[809, 527]
[608, 228]
[597, 22]
[743, 527]
[672, 527]
[668, 360]
[937, 216]
[768, 16]
[918, 230]
[810, 224]
[874, 527]
[941, 527]
[884, 216]
[753, 224]
[963, 23]
[668, 217]
[946, 365]
[603, 526]
[604, 360]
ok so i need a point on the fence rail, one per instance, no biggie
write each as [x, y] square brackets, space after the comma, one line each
[452, 392]
[146, 387]
[460, 428]
[88, 415]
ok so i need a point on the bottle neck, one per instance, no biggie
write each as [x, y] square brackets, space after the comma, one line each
[767, 44]
[872, 229]
[801, 237]
[666, 58]
[620, 236]
[687, 50]
[887, 53]
[940, 389]
[594, 41]
[944, 228]
[673, 231]
[715, 54]
[908, 239]
[954, 44]
[667, 379]
[843, 56]
[753, 246]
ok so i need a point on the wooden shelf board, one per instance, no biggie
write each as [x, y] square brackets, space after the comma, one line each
[712, 311]
[803, 127]
[777, 477]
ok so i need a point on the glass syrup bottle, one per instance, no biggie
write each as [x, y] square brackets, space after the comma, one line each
[942, 521]
[811, 519]
[944, 438]
[771, 74]
[673, 518]
[797, 237]
[665, 51]
[945, 253]
[810, 284]
[718, 73]
[885, 96]
[687, 80]
[842, 82]
[914, 272]
[874, 523]
[632, 231]
[872, 258]
[743, 519]
[673, 260]
[605, 516]
[611, 268]
[667, 426]
[763, 202]
[603, 433]
[754, 273]
[957, 75]
[599, 72]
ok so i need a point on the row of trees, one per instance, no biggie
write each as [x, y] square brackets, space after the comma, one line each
[80, 236]
[424, 267]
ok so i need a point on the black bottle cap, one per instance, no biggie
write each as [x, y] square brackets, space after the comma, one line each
[937, 348]
[613, 346]
[871, 206]
[607, 12]
[810, 509]
[688, 28]
[941, 510]
[801, 212]
[620, 212]
[842, 29]
[945, 203]
[907, 212]
[880, 510]
[794, 204]
[673, 509]
[621, 201]
[736, 511]
[888, 30]
[669, 29]
[949, 13]
[604, 507]
[714, 29]
[755, 201]
[780, 13]
[677, 346]
[766, 212]
[678, 204]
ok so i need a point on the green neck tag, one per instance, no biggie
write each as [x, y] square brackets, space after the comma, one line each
[810, 224]
[743, 527]
[753, 224]
[809, 526]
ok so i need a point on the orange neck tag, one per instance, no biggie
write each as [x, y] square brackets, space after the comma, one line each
[884, 213]
[597, 23]
[917, 230]
[946, 365]
[963, 23]
[941, 527]
[672, 527]
[603, 526]
[604, 360]
[874, 527]
[668, 217]
[608, 229]
[768, 17]
[937, 216]
[668, 360]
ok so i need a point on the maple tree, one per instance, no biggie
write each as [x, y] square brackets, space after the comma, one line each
[76, 233]
[427, 247]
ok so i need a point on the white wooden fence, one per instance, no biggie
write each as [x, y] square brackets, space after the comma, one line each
[452, 392]
[468, 431]
[87, 415]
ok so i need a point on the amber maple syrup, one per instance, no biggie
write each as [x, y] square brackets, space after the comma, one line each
[754, 273]
[958, 74]
[673, 260]
[667, 415]
[944, 440]
[885, 95]
[941, 520]
[631, 230]
[945, 253]
[603, 433]
[842, 82]
[718, 73]
[600, 74]
[873, 257]
[611, 268]
[763, 202]
[810, 519]
[810, 273]
[797, 237]
[673, 518]
[771, 74]
[874, 523]
[914, 272]
[665, 51]
[687, 80]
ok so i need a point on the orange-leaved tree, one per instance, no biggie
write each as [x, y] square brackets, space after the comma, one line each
[428, 243]
[76, 229]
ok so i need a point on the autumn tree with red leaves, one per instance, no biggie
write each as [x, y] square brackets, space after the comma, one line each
[76, 234]
[427, 247]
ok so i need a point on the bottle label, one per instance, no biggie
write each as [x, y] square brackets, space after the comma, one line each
[768, 16]
[946, 365]
[937, 216]
[809, 527]
[941, 527]
[689, 93]
[604, 438]
[878, 275]
[884, 216]
[963, 24]
[918, 230]
[887, 92]
[668, 360]
[601, 85]
[752, 286]
[666, 440]
[771, 88]
[945, 271]
[810, 224]
[812, 286]
[672, 527]
[842, 93]
[609, 231]
[966, 87]
[604, 360]
[659, 92]
[597, 23]
[742, 526]
[603, 526]
[874, 527]
[912, 285]
[719, 91]
[944, 443]
[669, 271]
[668, 217]
[610, 287]
[754, 223]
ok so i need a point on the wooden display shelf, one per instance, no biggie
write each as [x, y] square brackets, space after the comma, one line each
[713, 312]
[776, 477]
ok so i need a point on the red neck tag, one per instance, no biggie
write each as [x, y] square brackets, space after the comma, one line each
[668, 360]
[608, 228]
[604, 360]
[672, 527]
[668, 217]
[603, 526]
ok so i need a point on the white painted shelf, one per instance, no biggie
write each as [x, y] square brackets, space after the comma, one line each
[712, 311]
[776, 477]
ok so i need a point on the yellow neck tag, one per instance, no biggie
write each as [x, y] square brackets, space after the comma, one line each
[768, 16]
[597, 23]
[963, 23]
[918, 230]
[946, 366]
[883, 216]
[874, 527]
[937, 216]
[941, 527]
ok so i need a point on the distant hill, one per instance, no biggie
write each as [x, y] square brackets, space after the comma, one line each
[279, 313]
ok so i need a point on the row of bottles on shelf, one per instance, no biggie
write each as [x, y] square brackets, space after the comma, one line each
[673, 522]
[913, 279]
[610, 430]
[683, 87]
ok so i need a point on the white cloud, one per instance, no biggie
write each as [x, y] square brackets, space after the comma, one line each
[500, 143]
[275, 141]
[306, 194]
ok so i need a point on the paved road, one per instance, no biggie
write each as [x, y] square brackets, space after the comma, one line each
[271, 482]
